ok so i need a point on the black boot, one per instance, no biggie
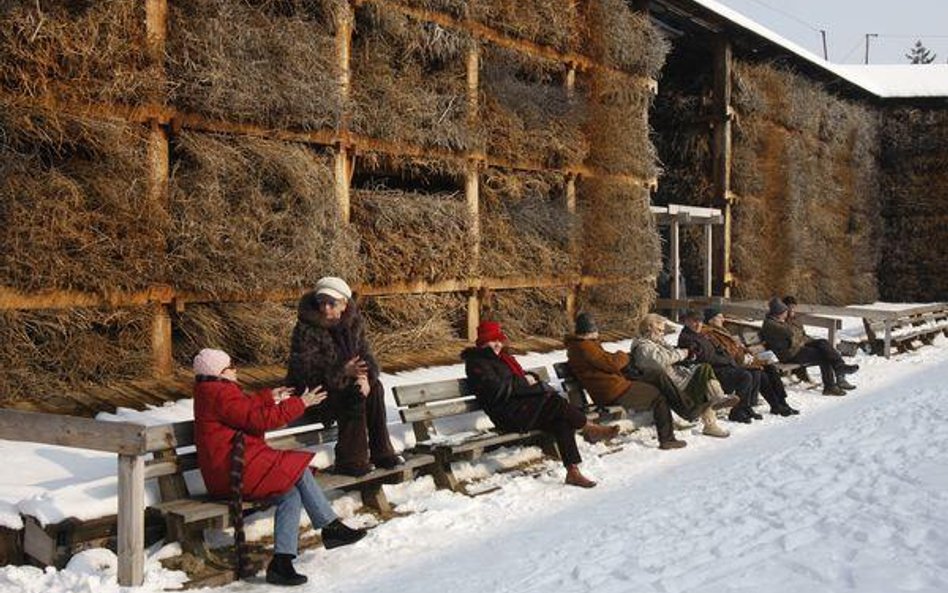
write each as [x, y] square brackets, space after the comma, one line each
[338, 534]
[842, 382]
[280, 571]
[846, 369]
[739, 414]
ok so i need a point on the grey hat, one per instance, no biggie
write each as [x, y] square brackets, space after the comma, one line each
[776, 306]
[710, 313]
[585, 324]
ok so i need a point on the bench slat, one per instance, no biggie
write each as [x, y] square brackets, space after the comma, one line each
[408, 395]
[433, 412]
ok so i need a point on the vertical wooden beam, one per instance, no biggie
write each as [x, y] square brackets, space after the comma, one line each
[721, 155]
[131, 520]
[675, 263]
[708, 260]
[156, 29]
[341, 164]
[161, 344]
[572, 292]
[472, 194]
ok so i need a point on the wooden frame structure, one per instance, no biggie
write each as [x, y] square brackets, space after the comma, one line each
[164, 121]
[674, 216]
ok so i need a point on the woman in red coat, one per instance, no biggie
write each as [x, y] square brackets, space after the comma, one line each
[229, 429]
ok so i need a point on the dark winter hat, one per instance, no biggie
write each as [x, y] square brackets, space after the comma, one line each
[585, 324]
[776, 306]
[690, 315]
[710, 313]
[789, 300]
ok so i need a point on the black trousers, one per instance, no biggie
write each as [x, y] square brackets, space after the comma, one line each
[741, 382]
[654, 392]
[820, 352]
[557, 417]
[770, 385]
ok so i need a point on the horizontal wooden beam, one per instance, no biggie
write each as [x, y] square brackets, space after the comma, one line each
[72, 431]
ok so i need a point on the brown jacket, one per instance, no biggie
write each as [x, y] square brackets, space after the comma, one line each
[599, 371]
[723, 339]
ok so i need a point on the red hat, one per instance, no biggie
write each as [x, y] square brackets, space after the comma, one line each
[489, 331]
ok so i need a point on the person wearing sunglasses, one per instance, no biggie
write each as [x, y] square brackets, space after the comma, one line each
[329, 348]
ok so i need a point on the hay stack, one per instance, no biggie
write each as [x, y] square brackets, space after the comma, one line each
[804, 164]
[252, 333]
[525, 227]
[74, 207]
[268, 62]
[254, 215]
[412, 324]
[49, 353]
[619, 127]
[529, 312]
[409, 80]
[81, 52]
[618, 307]
[620, 38]
[914, 163]
[554, 23]
[527, 114]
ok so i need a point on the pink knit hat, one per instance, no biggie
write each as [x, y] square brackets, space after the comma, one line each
[211, 362]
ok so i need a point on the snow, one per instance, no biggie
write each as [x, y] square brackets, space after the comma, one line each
[849, 496]
[887, 81]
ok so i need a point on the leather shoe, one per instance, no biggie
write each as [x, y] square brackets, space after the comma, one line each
[842, 382]
[739, 415]
[338, 534]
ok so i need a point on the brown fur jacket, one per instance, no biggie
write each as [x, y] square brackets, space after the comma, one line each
[319, 354]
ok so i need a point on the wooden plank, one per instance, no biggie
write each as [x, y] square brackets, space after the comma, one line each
[72, 431]
[131, 520]
[38, 544]
[435, 411]
[407, 395]
[192, 510]
[169, 436]
[329, 481]
[675, 265]
[708, 260]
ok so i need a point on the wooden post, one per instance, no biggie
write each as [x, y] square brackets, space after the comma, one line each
[131, 520]
[708, 260]
[472, 195]
[161, 344]
[341, 165]
[571, 294]
[675, 264]
[721, 154]
[156, 30]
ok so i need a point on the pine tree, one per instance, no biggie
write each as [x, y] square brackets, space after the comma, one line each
[920, 54]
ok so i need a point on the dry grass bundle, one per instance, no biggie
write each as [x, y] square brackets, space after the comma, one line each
[618, 308]
[527, 113]
[624, 39]
[74, 206]
[81, 51]
[409, 80]
[456, 8]
[619, 236]
[403, 324]
[252, 333]
[277, 67]
[525, 227]
[253, 214]
[411, 235]
[529, 313]
[548, 22]
[618, 126]
[46, 353]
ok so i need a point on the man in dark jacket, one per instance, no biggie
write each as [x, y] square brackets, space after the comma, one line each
[790, 344]
[733, 378]
[329, 348]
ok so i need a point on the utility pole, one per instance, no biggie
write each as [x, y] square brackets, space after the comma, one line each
[825, 50]
[868, 35]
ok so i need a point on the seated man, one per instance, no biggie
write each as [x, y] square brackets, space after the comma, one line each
[329, 348]
[605, 377]
[791, 345]
[733, 378]
[771, 386]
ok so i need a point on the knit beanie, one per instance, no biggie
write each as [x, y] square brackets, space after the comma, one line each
[710, 313]
[776, 306]
[334, 287]
[211, 362]
[585, 324]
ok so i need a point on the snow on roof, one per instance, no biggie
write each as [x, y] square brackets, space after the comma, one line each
[887, 81]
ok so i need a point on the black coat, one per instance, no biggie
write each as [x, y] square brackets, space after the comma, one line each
[703, 349]
[511, 403]
[318, 355]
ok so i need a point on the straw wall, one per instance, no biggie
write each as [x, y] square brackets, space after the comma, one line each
[915, 185]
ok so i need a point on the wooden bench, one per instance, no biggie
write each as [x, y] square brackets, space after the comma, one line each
[187, 515]
[579, 397]
[749, 336]
[902, 328]
[422, 404]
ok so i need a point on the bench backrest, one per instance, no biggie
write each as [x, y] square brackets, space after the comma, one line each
[575, 392]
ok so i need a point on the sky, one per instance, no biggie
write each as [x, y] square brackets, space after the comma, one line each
[846, 22]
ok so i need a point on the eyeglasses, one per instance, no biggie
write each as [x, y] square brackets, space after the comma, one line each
[323, 300]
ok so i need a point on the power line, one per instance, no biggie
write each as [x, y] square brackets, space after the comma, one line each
[788, 15]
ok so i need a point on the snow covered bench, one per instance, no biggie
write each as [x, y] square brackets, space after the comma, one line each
[422, 404]
[902, 328]
[186, 515]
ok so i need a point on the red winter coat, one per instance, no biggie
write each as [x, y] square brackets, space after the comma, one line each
[220, 409]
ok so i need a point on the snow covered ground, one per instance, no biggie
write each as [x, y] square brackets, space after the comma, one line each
[852, 495]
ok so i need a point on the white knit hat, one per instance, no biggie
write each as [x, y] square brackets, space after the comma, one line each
[334, 287]
[211, 362]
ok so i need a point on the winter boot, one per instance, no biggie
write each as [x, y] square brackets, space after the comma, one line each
[280, 571]
[846, 369]
[711, 427]
[593, 433]
[338, 534]
[739, 414]
[390, 462]
[833, 390]
[842, 382]
[728, 401]
[575, 478]
[672, 444]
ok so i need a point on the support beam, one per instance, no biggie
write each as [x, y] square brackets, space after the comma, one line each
[161, 344]
[572, 292]
[472, 194]
[675, 264]
[341, 164]
[721, 155]
[708, 260]
[131, 520]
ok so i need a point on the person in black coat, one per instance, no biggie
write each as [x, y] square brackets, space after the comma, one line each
[733, 378]
[517, 401]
